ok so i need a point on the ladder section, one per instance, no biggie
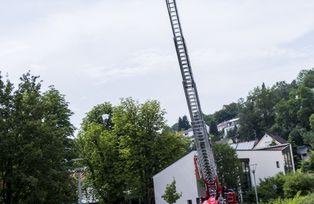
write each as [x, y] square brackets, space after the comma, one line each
[203, 146]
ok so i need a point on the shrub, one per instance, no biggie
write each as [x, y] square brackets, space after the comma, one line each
[298, 182]
[309, 199]
[308, 165]
[271, 188]
[171, 195]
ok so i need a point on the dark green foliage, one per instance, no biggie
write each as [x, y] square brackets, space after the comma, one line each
[298, 182]
[182, 124]
[282, 109]
[296, 110]
[307, 166]
[227, 112]
[171, 195]
[122, 156]
[228, 165]
[306, 78]
[271, 188]
[35, 145]
[278, 109]
[257, 113]
[285, 186]
[211, 122]
[233, 133]
[308, 137]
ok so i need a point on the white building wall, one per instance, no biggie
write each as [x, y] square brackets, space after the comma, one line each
[265, 141]
[266, 163]
[183, 171]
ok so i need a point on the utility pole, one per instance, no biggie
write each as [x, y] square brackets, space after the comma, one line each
[254, 177]
[79, 187]
[79, 172]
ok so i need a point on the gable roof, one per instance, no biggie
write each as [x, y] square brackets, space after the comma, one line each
[277, 138]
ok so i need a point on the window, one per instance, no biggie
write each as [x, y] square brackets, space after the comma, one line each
[246, 185]
[189, 201]
[277, 164]
[198, 201]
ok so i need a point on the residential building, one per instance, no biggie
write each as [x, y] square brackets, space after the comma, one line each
[228, 125]
[270, 155]
[183, 171]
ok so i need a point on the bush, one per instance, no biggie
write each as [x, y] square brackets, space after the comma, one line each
[271, 188]
[283, 186]
[298, 182]
[308, 165]
[296, 200]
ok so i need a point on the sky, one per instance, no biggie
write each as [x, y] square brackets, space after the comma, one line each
[104, 50]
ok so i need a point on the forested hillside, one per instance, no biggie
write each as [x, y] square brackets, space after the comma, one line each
[284, 108]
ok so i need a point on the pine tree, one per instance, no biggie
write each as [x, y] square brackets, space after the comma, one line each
[171, 195]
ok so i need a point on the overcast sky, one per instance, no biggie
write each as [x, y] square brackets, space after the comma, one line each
[95, 51]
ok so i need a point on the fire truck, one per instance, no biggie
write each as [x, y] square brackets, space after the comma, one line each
[205, 164]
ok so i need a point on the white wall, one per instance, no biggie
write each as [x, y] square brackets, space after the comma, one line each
[265, 141]
[266, 163]
[184, 173]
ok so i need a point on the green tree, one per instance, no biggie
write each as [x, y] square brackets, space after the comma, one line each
[171, 195]
[123, 156]
[227, 112]
[297, 108]
[36, 146]
[308, 137]
[99, 148]
[211, 122]
[228, 165]
[182, 124]
[307, 166]
[257, 113]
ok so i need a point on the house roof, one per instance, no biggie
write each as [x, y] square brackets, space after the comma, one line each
[302, 149]
[273, 148]
[244, 145]
[278, 138]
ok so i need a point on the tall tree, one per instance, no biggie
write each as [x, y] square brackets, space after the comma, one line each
[182, 124]
[123, 157]
[300, 106]
[36, 146]
[211, 122]
[228, 165]
[257, 113]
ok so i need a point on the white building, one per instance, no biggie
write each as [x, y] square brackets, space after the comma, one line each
[189, 132]
[228, 125]
[183, 171]
[270, 155]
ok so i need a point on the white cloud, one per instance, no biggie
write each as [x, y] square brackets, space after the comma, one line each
[125, 47]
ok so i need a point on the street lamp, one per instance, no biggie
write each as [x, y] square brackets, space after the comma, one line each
[253, 169]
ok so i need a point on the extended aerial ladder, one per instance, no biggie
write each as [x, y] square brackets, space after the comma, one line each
[205, 157]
